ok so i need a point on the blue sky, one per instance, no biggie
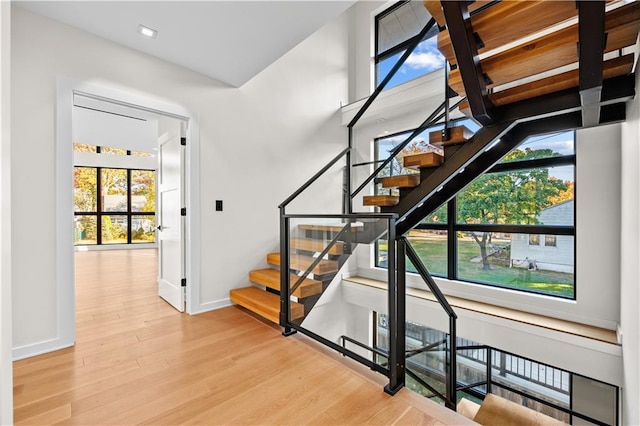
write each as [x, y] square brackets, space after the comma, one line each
[425, 59]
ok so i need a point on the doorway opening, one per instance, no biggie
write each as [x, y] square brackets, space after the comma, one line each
[139, 137]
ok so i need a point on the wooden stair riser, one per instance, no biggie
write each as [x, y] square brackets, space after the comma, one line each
[457, 135]
[270, 278]
[401, 181]
[427, 159]
[263, 303]
[380, 200]
[300, 262]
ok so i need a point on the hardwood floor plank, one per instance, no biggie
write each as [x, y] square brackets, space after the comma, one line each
[139, 361]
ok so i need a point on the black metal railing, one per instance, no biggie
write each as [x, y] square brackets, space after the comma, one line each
[395, 368]
[368, 231]
[404, 248]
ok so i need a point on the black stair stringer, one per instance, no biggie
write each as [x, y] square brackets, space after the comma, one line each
[484, 160]
[438, 181]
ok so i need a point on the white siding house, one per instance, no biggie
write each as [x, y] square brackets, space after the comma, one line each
[546, 252]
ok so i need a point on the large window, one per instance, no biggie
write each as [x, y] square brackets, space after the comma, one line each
[396, 28]
[114, 206]
[513, 227]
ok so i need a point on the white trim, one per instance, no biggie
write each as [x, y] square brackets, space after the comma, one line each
[39, 348]
[66, 88]
[135, 246]
[212, 306]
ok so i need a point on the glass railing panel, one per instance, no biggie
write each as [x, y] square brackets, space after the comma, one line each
[321, 250]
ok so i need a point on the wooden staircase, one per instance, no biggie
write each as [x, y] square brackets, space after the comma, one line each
[263, 298]
[525, 67]
[425, 163]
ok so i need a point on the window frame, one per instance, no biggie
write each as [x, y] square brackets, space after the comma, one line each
[379, 57]
[452, 226]
[100, 212]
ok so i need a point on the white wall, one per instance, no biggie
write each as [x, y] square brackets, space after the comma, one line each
[257, 144]
[103, 129]
[630, 263]
[6, 370]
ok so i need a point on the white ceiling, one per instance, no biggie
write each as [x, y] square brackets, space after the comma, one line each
[230, 41]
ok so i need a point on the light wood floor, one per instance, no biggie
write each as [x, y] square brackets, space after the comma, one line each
[137, 360]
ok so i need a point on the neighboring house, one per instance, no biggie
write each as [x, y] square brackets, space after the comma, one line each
[546, 252]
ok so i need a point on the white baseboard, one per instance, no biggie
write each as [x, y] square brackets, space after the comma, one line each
[211, 306]
[40, 348]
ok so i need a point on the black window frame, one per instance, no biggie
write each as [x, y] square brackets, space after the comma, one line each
[100, 212]
[379, 57]
[452, 227]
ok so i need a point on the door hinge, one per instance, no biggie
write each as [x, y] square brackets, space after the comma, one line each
[183, 282]
[183, 141]
[183, 211]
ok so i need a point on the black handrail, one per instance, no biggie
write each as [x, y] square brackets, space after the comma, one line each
[362, 345]
[399, 148]
[314, 178]
[427, 348]
[435, 116]
[404, 247]
[426, 276]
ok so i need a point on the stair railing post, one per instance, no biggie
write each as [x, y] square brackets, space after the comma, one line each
[348, 200]
[452, 366]
[397, 346]
[285, 277]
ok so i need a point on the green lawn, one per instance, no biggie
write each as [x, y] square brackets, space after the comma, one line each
[433, 252]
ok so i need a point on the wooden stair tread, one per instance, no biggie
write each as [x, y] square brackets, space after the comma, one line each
[424, 160]
[271, 278]
[300, 262]
[553, 50]
[401, 181]
[588, 331]
[380, 200]
[263, 303]
[612, 68]
[509, 21]
[309, 244]
[355, 227]
[435, 9]
[457, 135]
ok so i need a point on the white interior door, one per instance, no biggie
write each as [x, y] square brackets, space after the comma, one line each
[170, 221]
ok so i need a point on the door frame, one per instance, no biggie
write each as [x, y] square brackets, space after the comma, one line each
[65, 273]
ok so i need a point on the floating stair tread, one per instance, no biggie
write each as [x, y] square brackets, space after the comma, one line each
[583, 330]
[380, 200]
[271, 278]
[426, 159]
[506, 22]
[355, 227]
[615, 67]
[300, 262]
[553, 50]
[265, 304]
[435, 9]
[401, 181]
[308, 244]
[458, 134]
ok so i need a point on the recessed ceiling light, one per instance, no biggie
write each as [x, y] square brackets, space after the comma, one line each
[147, 32]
